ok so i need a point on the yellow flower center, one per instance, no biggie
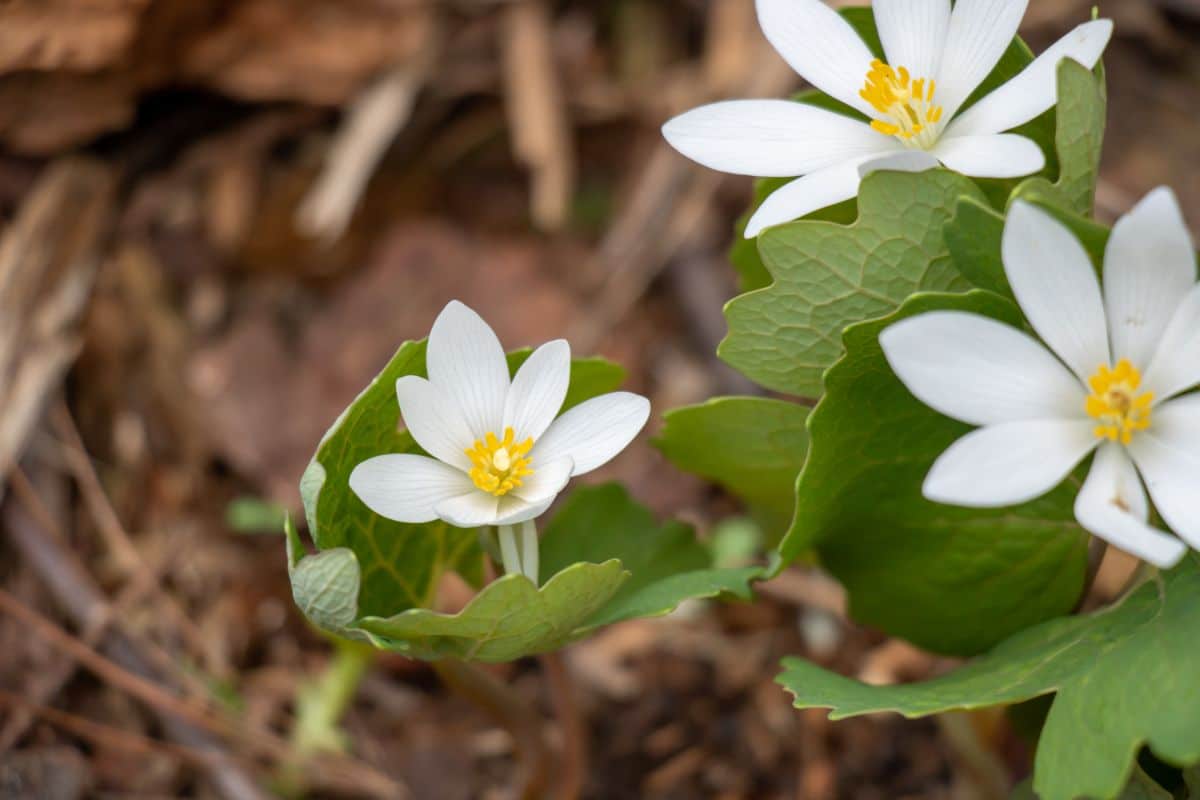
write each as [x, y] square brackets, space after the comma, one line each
[500, 464]
[1116, 404]
[906, 104]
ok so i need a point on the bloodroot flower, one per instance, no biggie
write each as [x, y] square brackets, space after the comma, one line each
[500, 451]
[936, 58]
[1112, 376]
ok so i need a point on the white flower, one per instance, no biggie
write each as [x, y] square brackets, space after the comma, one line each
[936, 58]
[1126, 355]
[500, 455]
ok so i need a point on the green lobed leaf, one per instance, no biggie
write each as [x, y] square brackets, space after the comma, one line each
[828, 276]
[975, 235]
[324, 585]
[609, 561]
[509, 619]
[667, 564]
[752, 446]
[952, 580]
[1125, 677]
[1079, 140]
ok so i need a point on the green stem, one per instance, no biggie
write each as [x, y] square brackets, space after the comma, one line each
[509, 553]
[321, 703]
[529, 546]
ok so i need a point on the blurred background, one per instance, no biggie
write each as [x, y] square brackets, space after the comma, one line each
[219, 218]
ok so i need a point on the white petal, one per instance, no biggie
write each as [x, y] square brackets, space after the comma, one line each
[1056, 286]
[1168, 456]
[1035, 88]
[998, 155]
[913, 33]
[465, 360]
[980, 371]
[538, 390]
[547, 480]
[512, 510]
[902, 161]
[803, 196]
[1176, 365]
[1112, 505]
[405, 487]
[1149, 268]
[820, 45]
[771, 138]
[593, 432]
[470, 510]
[434, 421]
[1009, 463]
[980, 32]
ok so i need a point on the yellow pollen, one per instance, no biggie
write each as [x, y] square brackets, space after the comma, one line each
[499, 464]
[906, 104]
[1116, 404]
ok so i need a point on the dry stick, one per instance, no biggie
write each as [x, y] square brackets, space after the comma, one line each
[126, 667]
[105, 735]
[537, 115]
[497, 700]
[94, 497]
[667, 210]
[59, 673]
[180, 719]
[372, 123]
[573, 763]
[144, 579]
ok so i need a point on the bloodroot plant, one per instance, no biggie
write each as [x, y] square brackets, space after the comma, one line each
[985, 390]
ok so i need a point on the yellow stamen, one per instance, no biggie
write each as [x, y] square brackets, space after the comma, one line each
[499, 464]
[1116, 404]
[906, 104]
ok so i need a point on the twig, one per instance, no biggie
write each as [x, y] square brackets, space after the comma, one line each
[105, 735]
[182, 720]
[104, 668]
[371, 125]
[537, 115]
[573, 764]
[144, 579]
[94, 497]
[126, 666]
[48, 256]
[668, 209]
[497, 700]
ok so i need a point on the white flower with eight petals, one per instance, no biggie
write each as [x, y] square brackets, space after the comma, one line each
[936, 58]
[500, 451]
[1127, 354]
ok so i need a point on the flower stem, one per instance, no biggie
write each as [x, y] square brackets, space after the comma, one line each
[498, 701]
[529, 546]
[509, 553]
[573, 764]
[321, 703]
